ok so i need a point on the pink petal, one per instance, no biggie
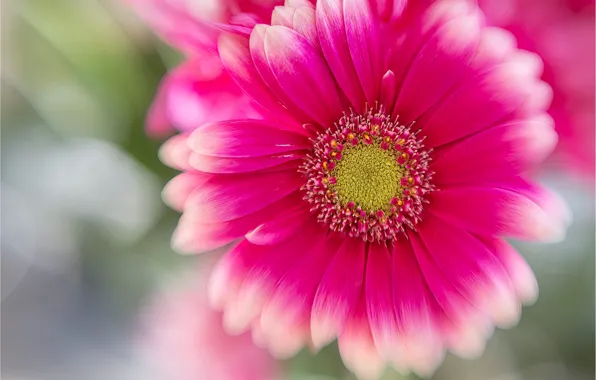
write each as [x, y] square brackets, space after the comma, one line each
[295, 70]
[235, 56]
[500, 152]
[196, 237]
[175, 152]
[472, 269]
[449, 50]
[158, 124]
[419, 344]
[498, 212]
[332, 36]
[244, 139]
[227, 197]
[179, 189]
[287, 313]
[201, 91]
[338, 292]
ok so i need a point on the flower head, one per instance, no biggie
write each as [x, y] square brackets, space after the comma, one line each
[373, 198]
[186, 339]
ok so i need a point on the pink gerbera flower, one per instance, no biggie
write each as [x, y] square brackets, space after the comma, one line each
[199, 90]
[373, 199]
[185, 340]
[562, 33]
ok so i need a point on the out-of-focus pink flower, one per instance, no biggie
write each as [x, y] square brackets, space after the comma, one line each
[185, 339]
[199, 90]
[562, 33]
[373, 197]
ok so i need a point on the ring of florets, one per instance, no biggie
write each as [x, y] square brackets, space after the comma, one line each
[368, 176]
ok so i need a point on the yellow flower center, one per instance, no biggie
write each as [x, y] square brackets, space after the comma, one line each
[368, 176]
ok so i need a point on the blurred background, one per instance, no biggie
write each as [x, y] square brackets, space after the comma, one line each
[85, 236]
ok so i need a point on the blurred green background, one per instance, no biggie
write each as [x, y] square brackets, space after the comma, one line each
[85, 236]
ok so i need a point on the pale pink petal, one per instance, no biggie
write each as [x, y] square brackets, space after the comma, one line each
[496, 153]
[178, 189]
[357, 347]
[338, 292]
[227, 197]
[175, 152]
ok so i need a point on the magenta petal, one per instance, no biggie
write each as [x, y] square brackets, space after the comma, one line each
[298, 70]
[388, 91]
[465, 328]
[283, 16]
[498, 96]
[379, 299]
[493, 211]
[227, 197]
[449, 50]
[332, 36]
[496, 153]
[421, 20]
[235, 56]
[341, 287]
[363, 36]
[287, 313]
[521, 275]
[282, 227]
[419, 344]
[230, 165]
[472, 269]
[197, 237]
[245, 138]
[252, 271]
